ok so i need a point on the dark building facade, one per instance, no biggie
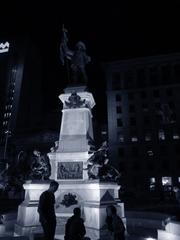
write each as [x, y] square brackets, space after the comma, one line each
[20, 93]
[143, 104]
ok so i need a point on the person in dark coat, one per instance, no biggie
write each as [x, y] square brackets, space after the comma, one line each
[46, 211]
[75, 229]
[115, 224]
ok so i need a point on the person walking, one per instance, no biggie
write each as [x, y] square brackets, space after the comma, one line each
[46, 211]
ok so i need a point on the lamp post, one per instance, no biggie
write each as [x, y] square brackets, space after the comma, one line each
[7, 132]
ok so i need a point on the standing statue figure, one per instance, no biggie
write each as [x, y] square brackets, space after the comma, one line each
[78, 63]
[77, 58]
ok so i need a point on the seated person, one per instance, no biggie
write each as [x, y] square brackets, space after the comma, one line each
[74, 228]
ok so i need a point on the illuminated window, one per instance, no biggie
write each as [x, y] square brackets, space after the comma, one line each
[134, 139]
[161, 135]
[5, 123]
[152, 182]
[175, 136]
[147, 136]
[166, 181]
[150, 153]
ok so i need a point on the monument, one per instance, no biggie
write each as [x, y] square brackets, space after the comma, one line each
[85, 177]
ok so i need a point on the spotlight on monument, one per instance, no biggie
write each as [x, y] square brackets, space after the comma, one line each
[150, 238]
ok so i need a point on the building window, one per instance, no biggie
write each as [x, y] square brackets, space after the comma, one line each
[141, 78]
[119, 122]
[131, 96]
[153, 76]
[158, 106]
[165, 164]
[166, 181]
[118, 109]
[163, 150]
[171, 105]
[156, 93]
[116, 81]
[129, 81]
[147, 136]
[134, 137]
[150, 166]
[136, 166]
[145, 107]
[176, 73]
[131, 108]
[121, 152]
[161, 135]
[132, 121]
[118, 98]
[120, 137]
[152, 183]
[149, 152]
[135, 152]
[169, 92]
[165, 114]
[175, 134]
[177, 149]
[146, 120]
[166, 74]
[143, 95]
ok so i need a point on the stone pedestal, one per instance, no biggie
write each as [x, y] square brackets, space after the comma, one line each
[91, 196]
[68, 161]
[28, 217]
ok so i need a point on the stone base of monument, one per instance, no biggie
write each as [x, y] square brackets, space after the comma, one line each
[91, 196]
[28, 218]
[172, 231]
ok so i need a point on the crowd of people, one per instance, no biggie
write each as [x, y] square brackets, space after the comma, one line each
[74, 228]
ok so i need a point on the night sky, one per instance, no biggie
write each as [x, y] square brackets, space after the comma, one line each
[110, 32]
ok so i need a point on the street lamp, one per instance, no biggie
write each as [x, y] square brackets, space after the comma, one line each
[7, 132]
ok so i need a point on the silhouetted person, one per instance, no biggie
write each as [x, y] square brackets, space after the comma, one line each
[46, 211]
[75, 229]
[115, 224]
[177, 195]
